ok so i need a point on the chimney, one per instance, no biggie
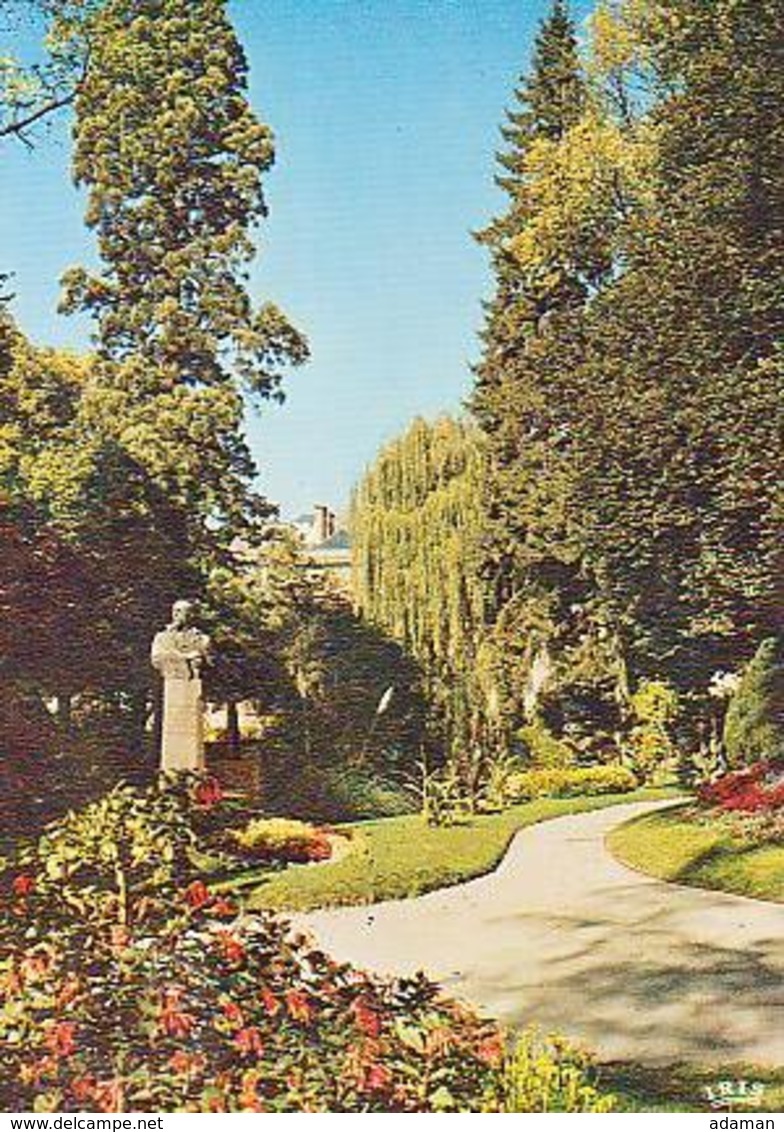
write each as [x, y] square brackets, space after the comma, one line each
[320, 523]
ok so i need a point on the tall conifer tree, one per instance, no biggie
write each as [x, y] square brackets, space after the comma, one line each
[524, 397]
[173, 158]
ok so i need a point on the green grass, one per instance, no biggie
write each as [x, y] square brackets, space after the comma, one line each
[682, 1088]
[402, 856]
[675, 848]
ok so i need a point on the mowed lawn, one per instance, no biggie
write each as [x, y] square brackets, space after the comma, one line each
[402, 856]
[706, 855]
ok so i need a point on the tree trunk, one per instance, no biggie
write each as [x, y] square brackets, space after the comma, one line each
[233, 726]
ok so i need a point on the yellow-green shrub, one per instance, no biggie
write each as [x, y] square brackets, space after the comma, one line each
[564, 782]
[550, 1075]
[282, 839]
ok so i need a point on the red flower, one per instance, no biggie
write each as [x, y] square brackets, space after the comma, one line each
[319, 848]
[83, 1088]
[67, 992]
[177, 1023]
[180, 1062]
[23, 885]
[298, 1006]
[60, 1039]
[366, 1018]
[223, 907]
[375, 1078]
[233, 1013]
[490, 1050]
[248, 1041]
[230, 947]
[269, 1002]
[110, 1096]
[197, 894]
[208, 793]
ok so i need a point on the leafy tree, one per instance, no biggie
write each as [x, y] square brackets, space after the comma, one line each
[33, 93]
[173, 158]
[634, 493]
[680, 488]
[579, 163]
[135, 458]
[416, 542]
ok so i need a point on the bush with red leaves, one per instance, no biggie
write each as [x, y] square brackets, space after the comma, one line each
[753, 790]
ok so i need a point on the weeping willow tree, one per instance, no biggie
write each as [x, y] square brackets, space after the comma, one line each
[417, 521]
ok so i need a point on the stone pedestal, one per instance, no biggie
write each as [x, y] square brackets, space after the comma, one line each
[182, 733]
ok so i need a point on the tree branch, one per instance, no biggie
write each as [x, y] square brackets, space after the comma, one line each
[18, 126]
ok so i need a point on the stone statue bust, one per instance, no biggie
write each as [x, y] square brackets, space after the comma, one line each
[179, 652]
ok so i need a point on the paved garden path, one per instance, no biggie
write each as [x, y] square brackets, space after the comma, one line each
[564, 935]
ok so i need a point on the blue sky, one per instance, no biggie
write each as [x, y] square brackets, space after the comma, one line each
[386, 114]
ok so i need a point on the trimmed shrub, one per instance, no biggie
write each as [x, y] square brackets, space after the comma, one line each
[282, 839]
[754, 724]
[530, 784]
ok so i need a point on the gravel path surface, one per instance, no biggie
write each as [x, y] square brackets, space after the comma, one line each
[564, 935]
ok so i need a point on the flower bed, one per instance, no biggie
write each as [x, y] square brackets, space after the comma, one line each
[755, 789]
[127, 985]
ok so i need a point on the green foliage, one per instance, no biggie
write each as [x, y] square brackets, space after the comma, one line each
[754, 724]
[648, 750]
[416, 530]
[132, 463]
[630, 420]
[442, 795]
[551, 1075]
[654, 706]
[334, 670]
[564, 783]
[654, 702]
[578, 163]
[172, 157]
[118, 861]
[544, 749]
[498, 771]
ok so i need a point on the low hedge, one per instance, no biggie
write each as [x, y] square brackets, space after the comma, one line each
[565, 782]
